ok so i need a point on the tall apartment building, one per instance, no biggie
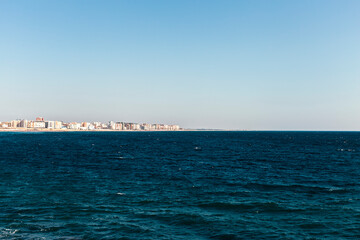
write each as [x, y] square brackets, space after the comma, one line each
[112, 125]
[50, 124]
[58, 125]
[119, 126]
[30, 124]
[23, 123]
[14, 123]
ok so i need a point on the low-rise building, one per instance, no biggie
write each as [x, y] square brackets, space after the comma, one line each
[97, 125]
[74, 126]
[85, 125]
[39, 124]
[4, 125]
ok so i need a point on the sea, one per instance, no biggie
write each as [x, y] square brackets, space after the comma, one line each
[180, 185]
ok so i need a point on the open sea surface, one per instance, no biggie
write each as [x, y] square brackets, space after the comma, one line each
[180, 185]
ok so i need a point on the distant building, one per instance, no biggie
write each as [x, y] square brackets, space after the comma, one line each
[58, 125]
[23, 123]
[4, 125]
[74, 125]
[126, 126]
[136, 126]
[174, 127]
[97, 125]
[14, 123]
[30, 124]
[112, 125]
[39, 124]
[145, 126]
[119, 126]
[50, 124]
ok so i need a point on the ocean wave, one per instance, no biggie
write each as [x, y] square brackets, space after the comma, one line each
[252, 206]
[296, 188]
[179, 218]
[7, 232]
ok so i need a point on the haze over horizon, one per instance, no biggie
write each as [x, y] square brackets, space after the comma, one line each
[267, 65]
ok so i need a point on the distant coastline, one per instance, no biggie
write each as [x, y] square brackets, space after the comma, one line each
[78, 130]
[41, 125]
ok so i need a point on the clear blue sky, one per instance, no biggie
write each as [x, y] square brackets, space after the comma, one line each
[201, 64]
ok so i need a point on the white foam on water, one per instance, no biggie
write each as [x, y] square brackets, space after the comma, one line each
[7, 231]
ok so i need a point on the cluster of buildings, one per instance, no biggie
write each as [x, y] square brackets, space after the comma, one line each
[40, 123]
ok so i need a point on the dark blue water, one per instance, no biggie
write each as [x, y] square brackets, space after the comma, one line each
[180, 185]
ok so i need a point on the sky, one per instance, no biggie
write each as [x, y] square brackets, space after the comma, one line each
[255, 65]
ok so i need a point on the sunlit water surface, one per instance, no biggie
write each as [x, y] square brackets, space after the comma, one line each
[180, 185]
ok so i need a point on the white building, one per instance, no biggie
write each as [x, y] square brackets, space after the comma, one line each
[14, 123]
[58, 125]
[39, 124]
[74, 125]
[23, 123]
[112, 125]
[50, 124]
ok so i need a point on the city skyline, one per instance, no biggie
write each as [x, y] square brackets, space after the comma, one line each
[41, 124]
[255, 65]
